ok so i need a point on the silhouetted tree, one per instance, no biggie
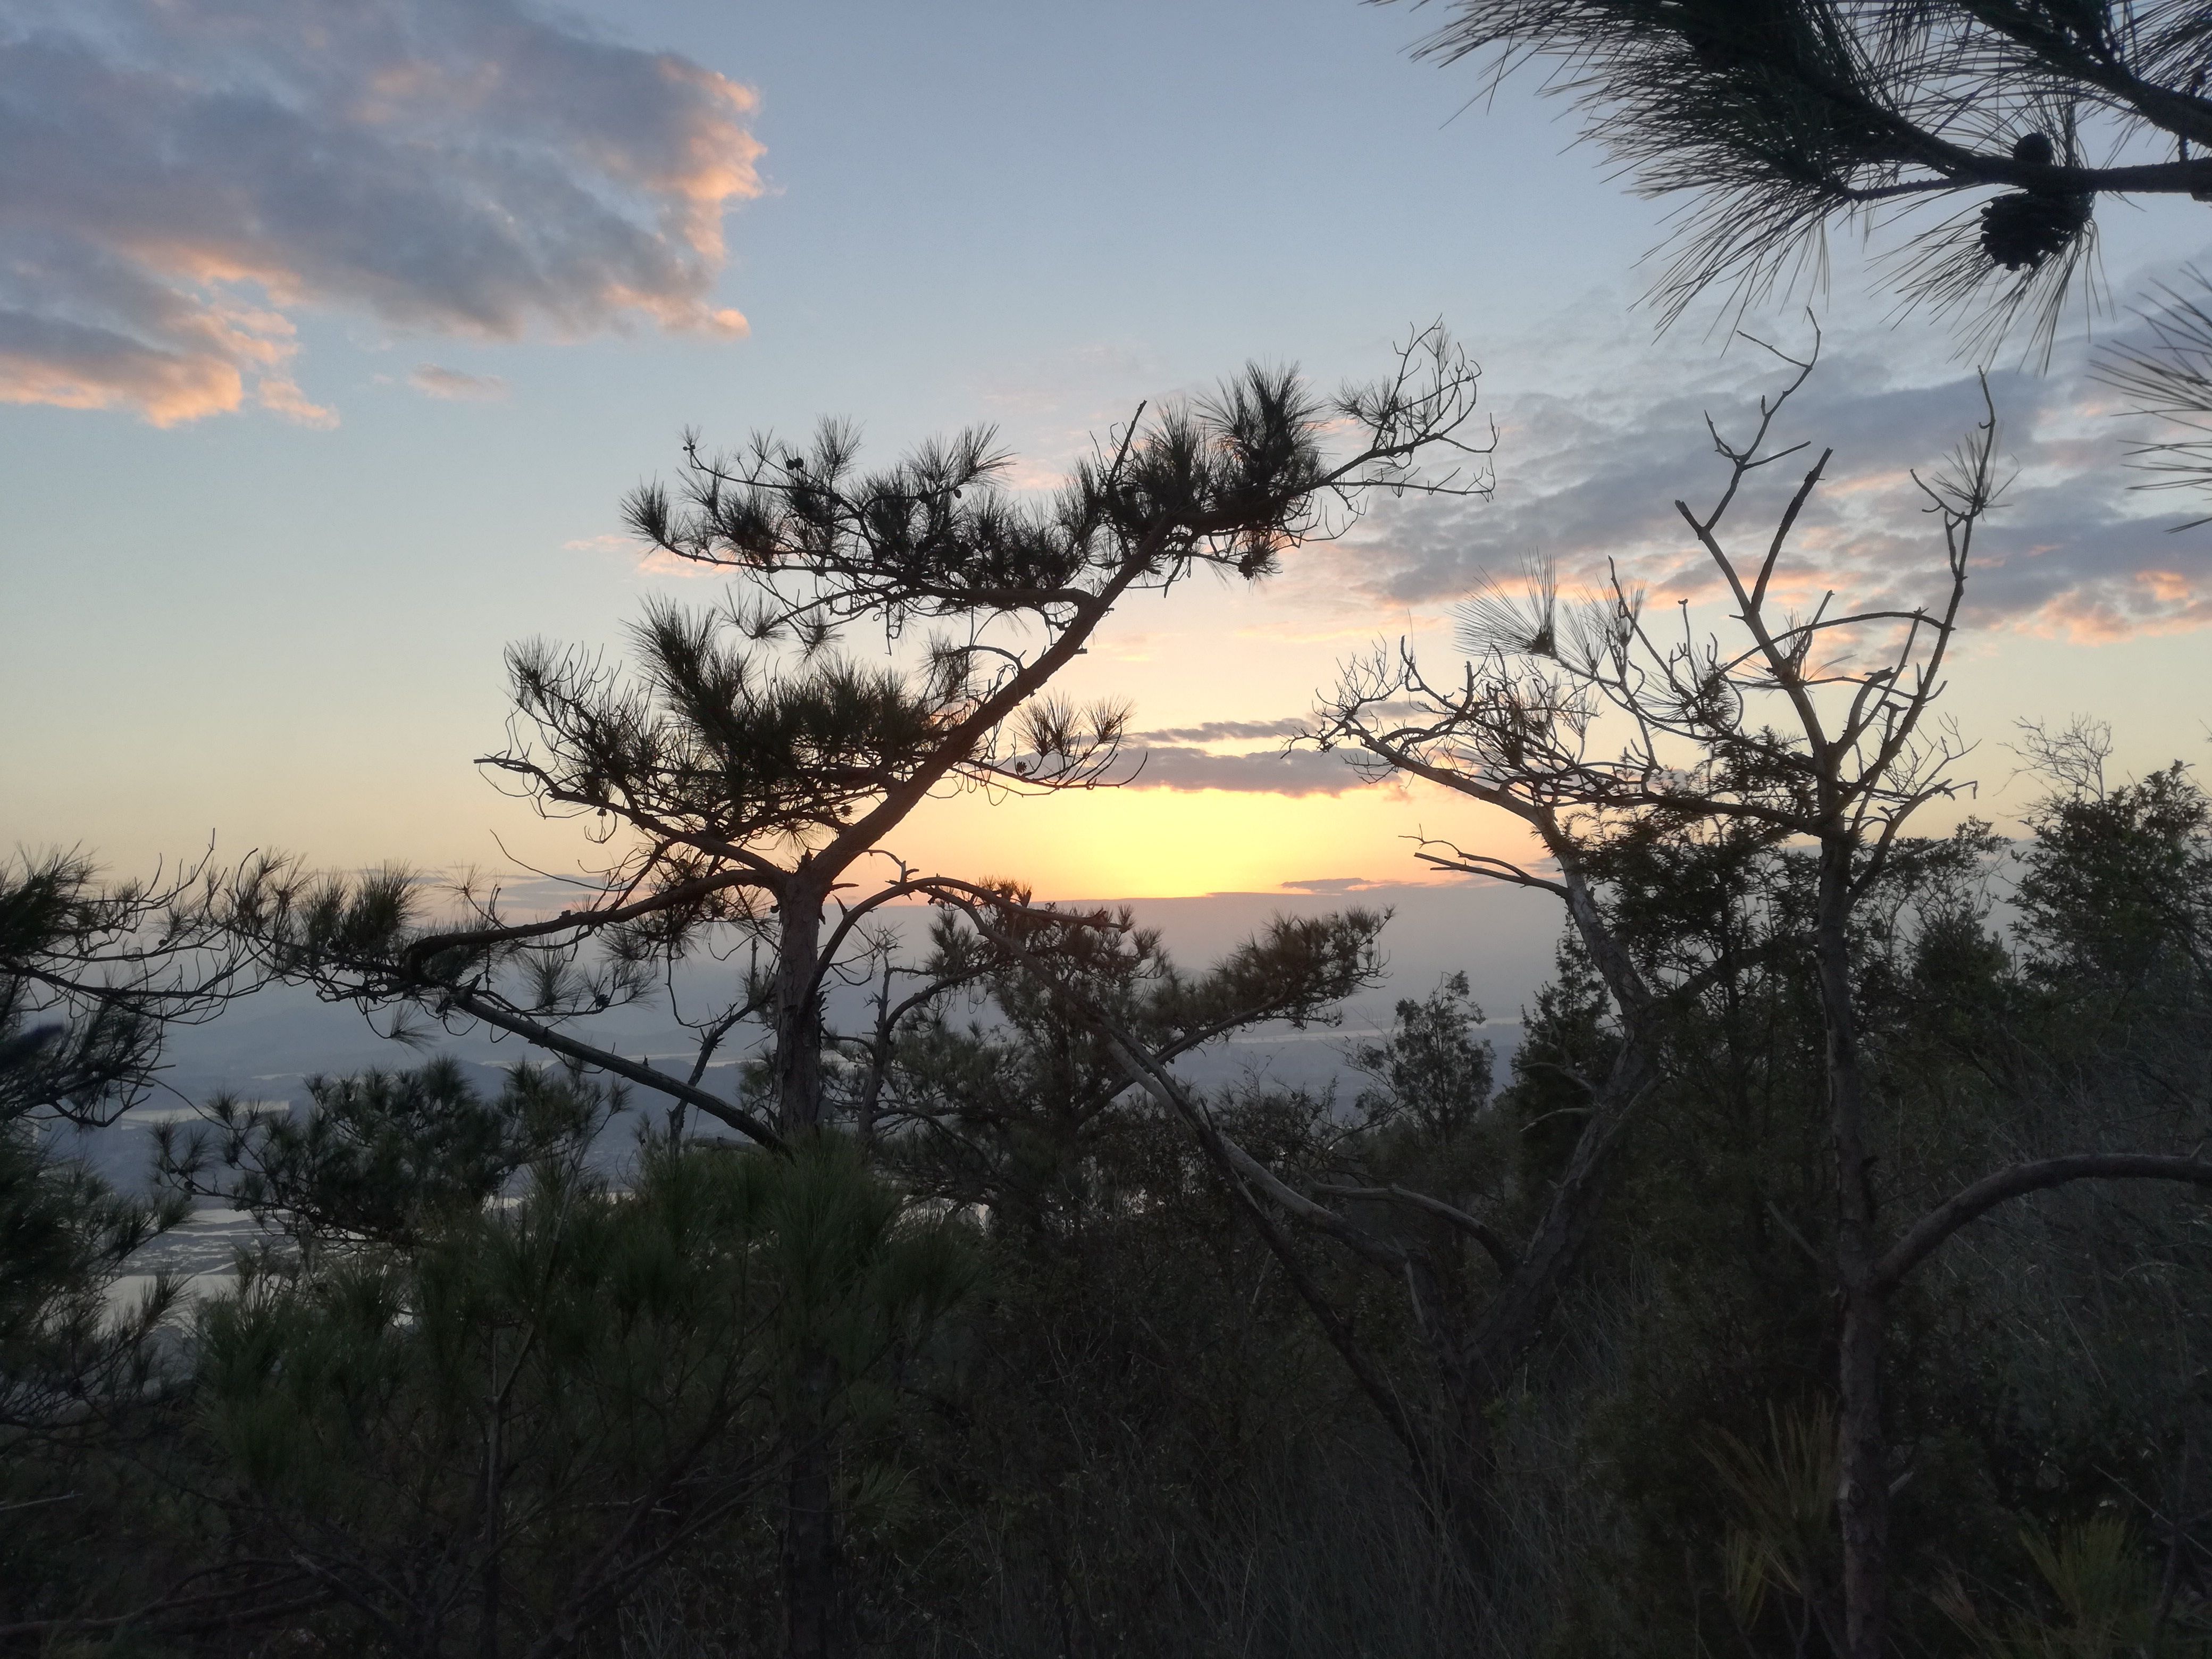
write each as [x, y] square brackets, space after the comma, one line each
[383, 1157]
[1010, 1112]
[1780, 118]
[745, 777]
[1598, 734]
[2170, 375]
[92, 974]
[1432, 1071]
[491, 1439]
[742, 775]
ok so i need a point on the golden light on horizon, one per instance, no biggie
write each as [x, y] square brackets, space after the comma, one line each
[1173, 843]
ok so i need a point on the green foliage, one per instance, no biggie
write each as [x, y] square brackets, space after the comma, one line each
[708, 732]
[1781, 1543]
[1101, 1417]
[2107, 1602]
[1780, 119]
[1434, 1071]
[66, 1355]
[2115, 890]
[91, 975]
[384, 1156]
[1015, 1111]
[54, 918]
[1565, 1044]
[517, 1417]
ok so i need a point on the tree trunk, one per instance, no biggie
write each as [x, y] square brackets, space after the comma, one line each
[813, 1572]
[1477, 1363]
[1487, 1355]
[797, 1050]
[1862, 1496]
[1515, 1316]
[494, 1516]
[817, 1609]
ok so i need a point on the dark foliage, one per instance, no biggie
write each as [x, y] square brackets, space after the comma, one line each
[386, 1157]
[1131, 1435]
[1781, 118]
[1776, 122]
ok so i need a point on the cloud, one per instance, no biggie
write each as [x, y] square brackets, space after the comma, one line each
[652, 561]
[1332, 884]
[1228, 730]
[1590, 479]
[1300, 772]
[452, 385]
[186, 177]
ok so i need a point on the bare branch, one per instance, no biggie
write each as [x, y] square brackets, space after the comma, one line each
[1928, 1234]
[1481, 1231]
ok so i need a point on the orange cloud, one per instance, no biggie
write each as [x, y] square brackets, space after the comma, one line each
[163, 387]
[2166, 586]
[210, 168]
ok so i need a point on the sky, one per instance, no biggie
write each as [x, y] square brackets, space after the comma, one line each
[332, 334]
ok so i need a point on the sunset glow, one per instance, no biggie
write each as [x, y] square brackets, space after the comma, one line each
[354, 480]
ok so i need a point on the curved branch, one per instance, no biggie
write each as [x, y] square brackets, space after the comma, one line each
[852, 917]
[1482, 864]
[1928, 1234]
[578, 921]
[637, 1072]
[1144, 1069]
[1481, 1231]
[1241, 1171]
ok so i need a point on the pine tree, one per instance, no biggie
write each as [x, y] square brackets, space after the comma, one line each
[1775, 122]
[746, 775]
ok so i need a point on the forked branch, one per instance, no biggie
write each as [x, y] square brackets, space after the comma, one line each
[1928, 1235]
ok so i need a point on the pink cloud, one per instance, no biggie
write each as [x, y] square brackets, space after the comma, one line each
[2073, 551]
[189, 175]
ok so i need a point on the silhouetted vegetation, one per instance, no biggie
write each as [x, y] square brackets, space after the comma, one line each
[1774, 122]
[1825, 1273]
